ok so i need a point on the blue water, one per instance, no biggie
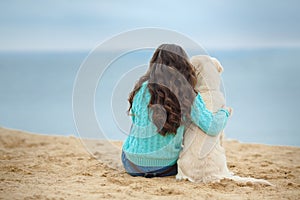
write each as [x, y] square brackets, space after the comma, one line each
[262, 86]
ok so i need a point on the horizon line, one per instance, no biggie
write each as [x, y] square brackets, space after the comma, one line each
[116, 49]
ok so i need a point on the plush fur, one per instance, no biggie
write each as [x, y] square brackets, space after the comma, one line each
[203, 158]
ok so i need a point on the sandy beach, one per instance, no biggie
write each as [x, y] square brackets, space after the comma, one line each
[56, 167]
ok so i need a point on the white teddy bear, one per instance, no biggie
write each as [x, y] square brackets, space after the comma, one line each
[203, 158]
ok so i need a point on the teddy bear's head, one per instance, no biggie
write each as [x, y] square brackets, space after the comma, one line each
[208, 72]
[203, 60]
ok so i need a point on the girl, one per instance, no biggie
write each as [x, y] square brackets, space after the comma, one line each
[162, 104]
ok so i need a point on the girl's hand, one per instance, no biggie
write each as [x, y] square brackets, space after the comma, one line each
[229, 109]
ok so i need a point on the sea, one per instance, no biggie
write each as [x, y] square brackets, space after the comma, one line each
[261, 85]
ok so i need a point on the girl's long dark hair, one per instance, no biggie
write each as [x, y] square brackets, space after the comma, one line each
[171, 81]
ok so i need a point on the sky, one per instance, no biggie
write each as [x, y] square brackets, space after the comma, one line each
[81, 25]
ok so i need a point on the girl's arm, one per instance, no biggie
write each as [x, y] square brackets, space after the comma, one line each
[210, 123]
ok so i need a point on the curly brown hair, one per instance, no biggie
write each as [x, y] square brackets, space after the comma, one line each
[171, 81]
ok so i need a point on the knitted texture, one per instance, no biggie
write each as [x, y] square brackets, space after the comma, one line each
[146, 147]
[211, 124]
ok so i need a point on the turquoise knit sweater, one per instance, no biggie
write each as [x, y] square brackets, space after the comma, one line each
[146, 147]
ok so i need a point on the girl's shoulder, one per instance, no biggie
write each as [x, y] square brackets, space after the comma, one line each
[141, 100]
[145, 84]
[142, 93]
[144, 88]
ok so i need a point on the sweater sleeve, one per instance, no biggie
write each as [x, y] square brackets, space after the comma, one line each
[210, 123]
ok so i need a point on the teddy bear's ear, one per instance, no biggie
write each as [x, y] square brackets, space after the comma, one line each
[217, 64]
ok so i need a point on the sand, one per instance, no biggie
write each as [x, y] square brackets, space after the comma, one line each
[55, 167]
